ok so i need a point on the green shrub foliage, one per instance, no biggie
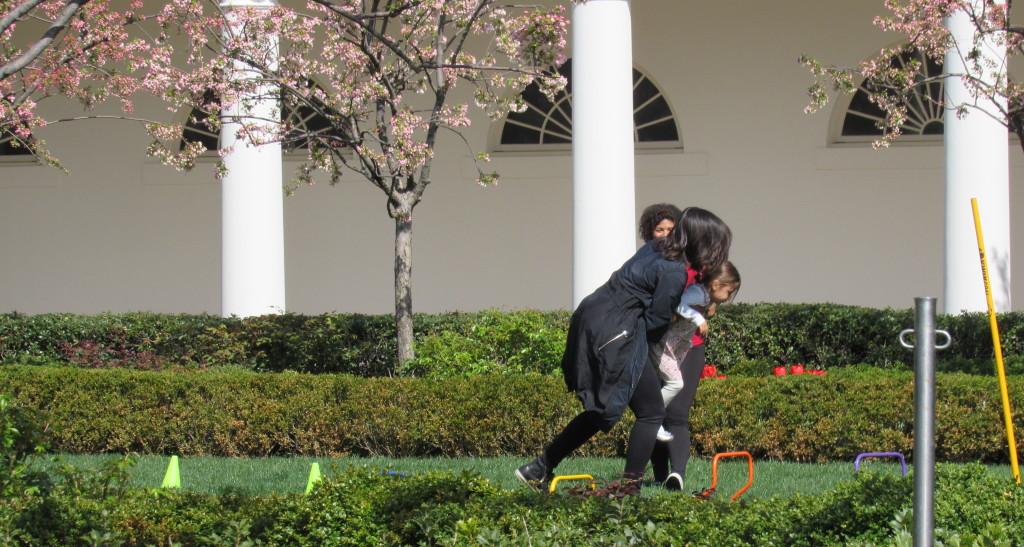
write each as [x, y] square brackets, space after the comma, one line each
[351, 343]
[233, 412]
[361, 506]
[748, 337]
[495, 342]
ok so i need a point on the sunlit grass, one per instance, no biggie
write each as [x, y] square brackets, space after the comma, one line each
[286, 475]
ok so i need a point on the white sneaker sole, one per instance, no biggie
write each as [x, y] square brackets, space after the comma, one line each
[673, 482]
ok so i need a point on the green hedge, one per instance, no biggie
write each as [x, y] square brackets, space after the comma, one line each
[828, 335]
[351, 343]
[235, 412]
[363, 507]
[747, 337]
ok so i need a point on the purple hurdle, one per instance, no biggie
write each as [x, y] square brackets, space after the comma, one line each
[897, 455]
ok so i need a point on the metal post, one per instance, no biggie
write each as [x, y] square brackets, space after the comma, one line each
[924, 420]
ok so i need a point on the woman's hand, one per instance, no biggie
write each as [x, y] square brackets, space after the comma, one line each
[703, 328]
[711, 310]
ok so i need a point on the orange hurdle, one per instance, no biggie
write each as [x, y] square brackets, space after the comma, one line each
[708, 492]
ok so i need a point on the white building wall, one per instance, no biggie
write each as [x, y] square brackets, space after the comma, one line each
[812, 223]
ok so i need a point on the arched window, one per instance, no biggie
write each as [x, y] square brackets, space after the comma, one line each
[863, 119]
[550, 122]
[8, 147]
[304, 119]
[197, 129]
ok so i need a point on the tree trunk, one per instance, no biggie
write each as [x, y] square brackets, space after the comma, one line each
[403, 288]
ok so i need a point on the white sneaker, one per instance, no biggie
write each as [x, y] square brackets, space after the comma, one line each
[674, 482]
[664, 435]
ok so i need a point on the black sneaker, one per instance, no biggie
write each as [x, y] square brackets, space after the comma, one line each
[674, 482]
[535, 473]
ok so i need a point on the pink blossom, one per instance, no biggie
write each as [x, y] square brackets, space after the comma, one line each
[922, 26]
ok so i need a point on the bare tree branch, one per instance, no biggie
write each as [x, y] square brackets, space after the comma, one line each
[51, 33]
[17, 13]
[368, 28]
[469, 146]
[461, 42]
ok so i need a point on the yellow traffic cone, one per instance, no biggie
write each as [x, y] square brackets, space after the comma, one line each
[314, 476]
[172, 478]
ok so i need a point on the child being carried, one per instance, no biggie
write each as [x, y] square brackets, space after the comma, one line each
[717, 287]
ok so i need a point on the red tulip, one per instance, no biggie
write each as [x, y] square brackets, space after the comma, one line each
[796, 369]
[779, 370]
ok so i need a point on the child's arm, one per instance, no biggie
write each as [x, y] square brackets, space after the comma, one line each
[693, 296]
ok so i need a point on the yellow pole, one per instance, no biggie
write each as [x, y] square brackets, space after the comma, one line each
[1003, 392]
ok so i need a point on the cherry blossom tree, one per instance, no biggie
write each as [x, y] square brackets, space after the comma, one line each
[387, 77]
[89, 51]
[892, 85]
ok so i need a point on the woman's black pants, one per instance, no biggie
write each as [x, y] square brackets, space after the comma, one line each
[649, 410]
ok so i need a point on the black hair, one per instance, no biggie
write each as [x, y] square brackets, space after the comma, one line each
[699, 239]
[652, 217]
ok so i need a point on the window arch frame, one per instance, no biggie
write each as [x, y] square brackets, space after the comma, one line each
[495, 146]
[184, 115]
[841, 108]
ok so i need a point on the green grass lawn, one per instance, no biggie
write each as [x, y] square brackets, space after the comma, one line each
[285, 475]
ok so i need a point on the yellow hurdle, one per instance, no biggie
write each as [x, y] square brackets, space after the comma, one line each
[559, 478]
[1007, 413]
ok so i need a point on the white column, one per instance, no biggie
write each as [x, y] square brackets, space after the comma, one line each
[604, 211]
[976, 166]
[252, 208]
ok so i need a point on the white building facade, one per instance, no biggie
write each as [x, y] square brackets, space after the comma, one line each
[817, 214]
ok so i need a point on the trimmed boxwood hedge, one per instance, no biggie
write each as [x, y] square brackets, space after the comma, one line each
[233, 412]
[364, 507]
[823, 335]
[357, 344]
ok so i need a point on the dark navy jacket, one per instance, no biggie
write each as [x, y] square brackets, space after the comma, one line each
[606, 349]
